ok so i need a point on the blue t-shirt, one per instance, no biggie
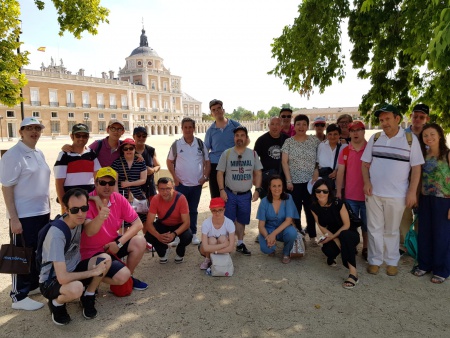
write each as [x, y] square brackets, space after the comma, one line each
[217, 140]
[267, 213]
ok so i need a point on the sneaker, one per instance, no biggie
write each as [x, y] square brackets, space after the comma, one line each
[36, 291]
[27, 304]
[243, 249]
[88, 304]
[205, 265]
[195, 240]
[175, 242]
[139, 285]
[59, 314]
[164, 259]
[179, 259]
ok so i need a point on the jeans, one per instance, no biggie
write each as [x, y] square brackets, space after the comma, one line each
[287, 236]
[192, 195]
[359, 208]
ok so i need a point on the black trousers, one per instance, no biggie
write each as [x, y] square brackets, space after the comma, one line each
[213, 186]
[185, 239]
[349, 240]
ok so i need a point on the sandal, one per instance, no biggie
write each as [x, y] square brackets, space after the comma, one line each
[417, 272]
[350, 282]
[286, 260]
[437, 279]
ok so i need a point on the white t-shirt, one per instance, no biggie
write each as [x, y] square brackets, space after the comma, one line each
[226, 229]
[390, 161]
[26, 170]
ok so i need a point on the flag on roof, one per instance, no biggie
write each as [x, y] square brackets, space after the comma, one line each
[41, 49]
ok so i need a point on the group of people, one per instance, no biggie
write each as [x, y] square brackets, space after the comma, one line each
[97, 186]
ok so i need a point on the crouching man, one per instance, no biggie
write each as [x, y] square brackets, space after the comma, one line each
[105, 236]
[63, 274]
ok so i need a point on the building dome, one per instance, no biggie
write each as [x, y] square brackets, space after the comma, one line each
[143, 48]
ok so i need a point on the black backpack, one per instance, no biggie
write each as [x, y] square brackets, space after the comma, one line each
[57, 222]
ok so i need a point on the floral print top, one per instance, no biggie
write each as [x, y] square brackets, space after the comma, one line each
[436, 177]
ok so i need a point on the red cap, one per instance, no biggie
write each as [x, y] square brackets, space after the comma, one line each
[216, 202]
[356, 125]
[128, 141]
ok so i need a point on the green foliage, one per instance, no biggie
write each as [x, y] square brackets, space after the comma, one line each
[248, 116]
[207, 117]
[274, 111]
[261, 114]
[74, 16]
[401, 46]
[241, 113]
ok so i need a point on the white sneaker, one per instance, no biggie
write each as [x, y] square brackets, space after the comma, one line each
[195, 240]
[27, 304]
[179, 259]
[165, 258]
[36, 291]
[175, 242]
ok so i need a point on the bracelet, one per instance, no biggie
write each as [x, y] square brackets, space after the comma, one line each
[221, 189]
[288, 182]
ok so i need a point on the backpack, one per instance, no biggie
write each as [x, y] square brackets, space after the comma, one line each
[408, 135]
[173, 147]
[57, 222]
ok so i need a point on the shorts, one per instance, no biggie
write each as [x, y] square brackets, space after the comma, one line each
[238, 207]
[117, 264]
[51, 288]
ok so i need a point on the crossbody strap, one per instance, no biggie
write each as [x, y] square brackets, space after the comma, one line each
[172, 208]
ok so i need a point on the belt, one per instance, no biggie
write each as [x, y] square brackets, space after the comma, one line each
[237, 192]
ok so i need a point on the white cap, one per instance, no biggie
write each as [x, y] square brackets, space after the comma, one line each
[311, 185]
[28, 121]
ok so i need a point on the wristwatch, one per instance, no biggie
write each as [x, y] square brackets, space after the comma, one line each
[175, 234]
[205, 178]
[259, 190]
[119, 245]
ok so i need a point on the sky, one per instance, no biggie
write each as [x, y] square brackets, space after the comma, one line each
[220, 48]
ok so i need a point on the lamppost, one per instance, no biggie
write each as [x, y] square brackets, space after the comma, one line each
[1, 128]
[20, 72]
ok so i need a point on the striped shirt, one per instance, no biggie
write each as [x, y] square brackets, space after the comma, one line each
[133, 174]
[77, 169]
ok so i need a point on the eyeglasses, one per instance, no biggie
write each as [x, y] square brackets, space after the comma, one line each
[76, 210]
[239, 157]
[325, 191]
[127, 148]
[286, 116]
[217, 211]
[82, 136]
[356, 130]
[319, 125]
[116, 129]
[343, 122]
[31, 128]
[165, 189]
[104, 183]
[141, 135]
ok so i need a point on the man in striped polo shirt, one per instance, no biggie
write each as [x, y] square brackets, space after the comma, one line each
[76, 169]
[391, 157]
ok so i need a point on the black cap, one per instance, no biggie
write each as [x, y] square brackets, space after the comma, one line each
[387, 108]
[285, 109]
[240, 128]
[140, 130]
[423, 108]
[214, 102]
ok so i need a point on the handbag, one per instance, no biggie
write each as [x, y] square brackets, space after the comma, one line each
[126, 288]
[15, 259]
[221, 265]
[298, 250]
[410, 242]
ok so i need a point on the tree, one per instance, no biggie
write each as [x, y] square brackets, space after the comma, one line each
[74, 16]
[248, 116]
[261, 114]
[274, 111]
[401, 46]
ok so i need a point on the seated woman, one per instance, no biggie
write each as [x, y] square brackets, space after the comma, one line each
[333, 220]
[217, 233]
[434, 206]
[276, 214]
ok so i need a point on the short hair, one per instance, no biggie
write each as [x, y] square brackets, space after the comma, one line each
[333, 127]
[186, 120]
[76, 192]
[318, 183]
[285, 109]
[345, 116]
[301, 117]
[164, 180]
[214, 102]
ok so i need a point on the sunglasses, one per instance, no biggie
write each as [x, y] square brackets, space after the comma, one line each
[319, 125]
[141, 135]
[325, 191]
[76, 210]
[217, 211]
[82, 136]
[128, 148]
[116, 129]
[35, 128]
[239, 157]
[286, 116]
[104, 183]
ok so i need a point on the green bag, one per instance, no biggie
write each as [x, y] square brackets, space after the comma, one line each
[411, 241]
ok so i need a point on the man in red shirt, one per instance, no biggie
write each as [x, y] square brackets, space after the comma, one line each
[173, 221]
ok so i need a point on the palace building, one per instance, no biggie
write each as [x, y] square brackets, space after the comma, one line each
[143, 93]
